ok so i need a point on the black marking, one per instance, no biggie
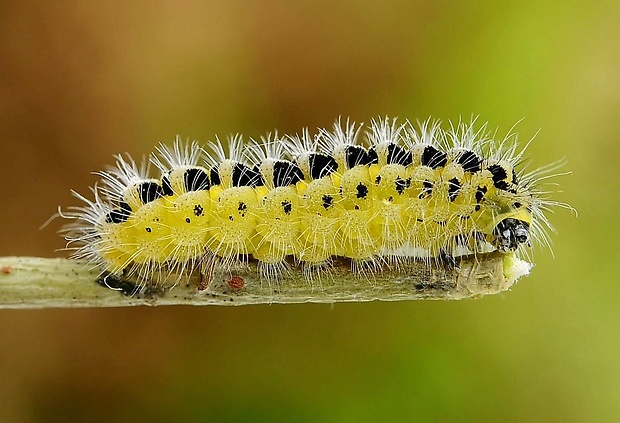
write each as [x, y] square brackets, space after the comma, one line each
[517, 205]
[166, 186]
[500, 176]
[454, 186]
[378, 180]
[242, 206]
[215, 176]
[356, 155]
[469, 161]
[286, 173]
[119, 215]
[356, 207]
[427, 190]
[124, 206]
[261, 179]
[498, 172]
[480, 191]
[244, 176]
[503, 185]
[321, 165]
[149, 230]
[287, 207]
[477, 208]
[198, 210]
[373, 158]
[196, 179]
[398, 155]
[433, 158]
[362, 191]
[402, 184]
[515, 180]
[149, 191]
[188, 220]
[328, 200]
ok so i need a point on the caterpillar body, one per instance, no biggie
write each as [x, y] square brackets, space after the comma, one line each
[379, 196]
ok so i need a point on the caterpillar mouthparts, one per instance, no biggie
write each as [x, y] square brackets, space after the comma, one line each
[378, 196]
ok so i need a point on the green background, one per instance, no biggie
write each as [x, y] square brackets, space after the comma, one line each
[80, 82]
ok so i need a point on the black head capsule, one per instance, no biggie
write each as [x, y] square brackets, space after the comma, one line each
[510, 233]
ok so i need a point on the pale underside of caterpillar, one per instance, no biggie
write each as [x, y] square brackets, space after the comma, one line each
[379, 196]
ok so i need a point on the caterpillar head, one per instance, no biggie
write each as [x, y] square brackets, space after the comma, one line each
[512, 230]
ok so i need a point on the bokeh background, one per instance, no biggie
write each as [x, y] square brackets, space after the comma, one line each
[81, 81]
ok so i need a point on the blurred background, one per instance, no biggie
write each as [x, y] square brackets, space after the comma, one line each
[81, 81]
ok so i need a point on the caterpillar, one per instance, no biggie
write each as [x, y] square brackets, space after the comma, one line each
[378, 195]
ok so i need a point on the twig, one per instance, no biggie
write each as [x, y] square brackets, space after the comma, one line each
[32, 282]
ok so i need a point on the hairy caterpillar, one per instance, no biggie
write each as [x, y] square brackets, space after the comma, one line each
[378, 196]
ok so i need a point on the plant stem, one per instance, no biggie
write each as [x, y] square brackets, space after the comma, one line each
[32, 282]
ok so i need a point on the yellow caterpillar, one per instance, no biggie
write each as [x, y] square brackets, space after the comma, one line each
[378, 196]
